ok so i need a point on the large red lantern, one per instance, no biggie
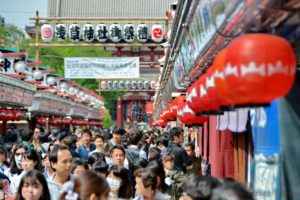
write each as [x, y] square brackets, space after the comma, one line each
[222, 88]
[161, 123]
[259, 68]
[66, 121]
[55, 121]
[41, 121]
[197, 97]
[167, 113]
[187, 116]
[177, 101]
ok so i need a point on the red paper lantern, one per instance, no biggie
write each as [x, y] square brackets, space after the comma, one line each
[259, 68]
[168, 114]
[55, 121]
[65, 121]
[161, 123]
[41, 121]
[177, 101]
[197, 97]
[2, 114]
[187, 116]
[222, 88]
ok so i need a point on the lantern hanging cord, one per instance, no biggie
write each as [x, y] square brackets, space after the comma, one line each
[227, 36]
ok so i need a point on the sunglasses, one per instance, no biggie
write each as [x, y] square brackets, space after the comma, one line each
[17, 154]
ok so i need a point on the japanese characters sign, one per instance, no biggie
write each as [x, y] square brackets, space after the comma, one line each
[104, 68]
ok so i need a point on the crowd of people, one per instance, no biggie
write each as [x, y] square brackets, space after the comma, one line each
[107, 164]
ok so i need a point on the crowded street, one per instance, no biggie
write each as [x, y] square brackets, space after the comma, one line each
[149, 100]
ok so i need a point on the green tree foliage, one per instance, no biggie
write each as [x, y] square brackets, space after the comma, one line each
[107, 121]
[12, 36]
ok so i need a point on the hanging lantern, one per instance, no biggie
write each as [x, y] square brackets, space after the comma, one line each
[46, 32]
[103, 85]
[127, 85]
[152, 84]
[51, 80]
[128, 33]
[41, 121]
[187, 116]
[133, 85]
[65, 121]
[9, 115]
[55, 121]
[60, 32]
[2, 114]
[140, 85]
[193, 98]
[168, 114]
[142, 32]
[176, 102]
[215, 100]
[101, 32]
[256, 72]
[121, 85]
[221, 86]
[146, 85]
[20, 67]
[162, 123]
[157, 33]
[37, 75]
[88, 32]
[74, 32]
[109, 85]
[115, 85]
[115, 32]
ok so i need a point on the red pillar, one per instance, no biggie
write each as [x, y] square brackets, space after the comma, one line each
[119, 112]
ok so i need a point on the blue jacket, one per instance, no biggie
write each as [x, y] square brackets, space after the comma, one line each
[83, 152]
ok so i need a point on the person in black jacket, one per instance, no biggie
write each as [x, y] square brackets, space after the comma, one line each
[181, 158]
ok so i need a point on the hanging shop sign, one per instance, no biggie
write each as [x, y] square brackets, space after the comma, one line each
[15, 92]
[209, 16]
[50, 104]
[103, 32]
[102, 68]
[79, 110]
[47, 32]
[93, 113]
[60, 32]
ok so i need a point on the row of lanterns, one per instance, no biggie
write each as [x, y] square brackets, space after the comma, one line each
[11, 115]
[56, 121]
[253, 70]
[102, 33]
[128, 85]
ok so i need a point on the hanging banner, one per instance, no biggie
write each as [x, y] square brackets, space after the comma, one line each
[102, 68]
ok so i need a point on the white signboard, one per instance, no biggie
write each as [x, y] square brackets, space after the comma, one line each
[102, 68]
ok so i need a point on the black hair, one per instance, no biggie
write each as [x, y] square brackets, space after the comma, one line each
[34, 176]
[13, 165]
[99, 136]
[175, 131]
[4, 151]
[158, 169]
[149, 178]
[79, 162]
[125, 188]
[154, 154]
[95, 157]
[62, 134]
[55, 150]
[31, 154]
[134, 137]
[43, 138]
[117, 147]
[26, 135]
[41, 129]
[232, 190]
[191, 145]
[163, 139]
[86, 131]
[200, 187]
[11, 136]
[118, 130]
[100, 167]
